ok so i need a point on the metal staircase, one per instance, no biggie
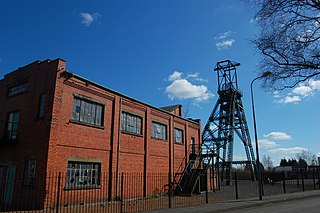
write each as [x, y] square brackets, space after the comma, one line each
[189, 181]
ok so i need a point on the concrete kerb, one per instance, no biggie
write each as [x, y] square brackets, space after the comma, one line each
[242, 204]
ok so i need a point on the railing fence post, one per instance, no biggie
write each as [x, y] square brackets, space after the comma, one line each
[284, 182]
[314, 179]
[318, 177]
[302, 179]
[236, 185]
[169, 189]
[262, 182]
[121, 192]
[218, 176]
[206, 179]
[58, 192]
[212, 175]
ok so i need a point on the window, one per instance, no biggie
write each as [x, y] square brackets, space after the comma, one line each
[41, 106]
[17, 89]
[159, 131]
[193, 145]
[83, 174]
[178, 136]
[87, 112]
[131, 123]
[12, 127]
[30, 173]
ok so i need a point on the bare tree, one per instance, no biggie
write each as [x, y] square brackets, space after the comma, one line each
[267, 162]
[288, 41]
[310, 158]
[186, 110]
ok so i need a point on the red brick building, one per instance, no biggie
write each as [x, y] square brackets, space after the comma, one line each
[52, 120]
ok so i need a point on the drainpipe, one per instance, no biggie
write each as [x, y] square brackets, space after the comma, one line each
[118, 151]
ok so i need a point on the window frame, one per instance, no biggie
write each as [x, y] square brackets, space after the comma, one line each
[164, 128]
[17, 89]
[88, 112]
[29, 176]
[175, 136]
[42, 106]
[193, 144]
[12, 126]
[84, 174]
[131, 123]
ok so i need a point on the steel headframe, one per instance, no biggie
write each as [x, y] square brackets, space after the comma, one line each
[228, 119]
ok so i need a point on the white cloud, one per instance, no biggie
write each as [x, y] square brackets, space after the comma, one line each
[263, 143]
[276, 94]
[225, 44]
[290, 99]
[292, 150]
[193, 75]
[314, 84]
[196, 77]
[278, 136]
[297, 94]
[175, 76]
[222, 35]
[87, 19]
[223, 40]
[302, 90]
[183, 89]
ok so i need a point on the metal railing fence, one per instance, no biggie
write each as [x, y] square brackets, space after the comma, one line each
[138, 192]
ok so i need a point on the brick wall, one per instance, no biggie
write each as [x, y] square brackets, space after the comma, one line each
[57, 138]
[33, 132]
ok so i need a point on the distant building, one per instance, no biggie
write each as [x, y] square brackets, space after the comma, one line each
[52, 120]
[283, 169]
[287, 169]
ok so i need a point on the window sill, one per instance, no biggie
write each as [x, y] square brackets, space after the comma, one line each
[86, 124]
[130, 133]
[14, 95]
[178, 143]
[68, 188]
[159, 139]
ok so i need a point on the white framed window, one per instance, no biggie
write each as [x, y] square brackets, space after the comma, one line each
[178, 136]
[83, 174]
[87, 111]
[159, 130]
[131, 123]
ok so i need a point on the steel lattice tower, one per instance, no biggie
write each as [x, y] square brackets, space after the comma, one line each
[226, 121]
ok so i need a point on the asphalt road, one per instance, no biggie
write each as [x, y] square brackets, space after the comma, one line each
[304, 205]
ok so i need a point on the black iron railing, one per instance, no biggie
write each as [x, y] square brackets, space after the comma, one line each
[138, 191]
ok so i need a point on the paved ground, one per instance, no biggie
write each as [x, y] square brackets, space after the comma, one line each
[244, 203]
[307, 205]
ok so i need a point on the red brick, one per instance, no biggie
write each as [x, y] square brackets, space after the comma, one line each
[53, 139]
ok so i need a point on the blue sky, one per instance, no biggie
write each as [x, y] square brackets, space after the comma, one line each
[162, 52]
